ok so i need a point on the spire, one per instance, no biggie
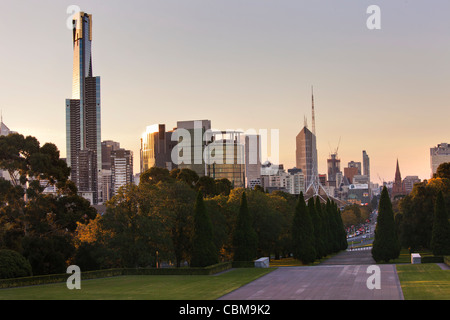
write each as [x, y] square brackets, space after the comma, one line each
[313, 115]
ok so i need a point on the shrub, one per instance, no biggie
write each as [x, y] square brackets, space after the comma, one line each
[13, 265]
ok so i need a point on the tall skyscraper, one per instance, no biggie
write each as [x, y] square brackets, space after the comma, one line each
[121, 169]
[83, 130]
[192, 141]
[156, 148]
[334, 167]
[305, 152]
[366, 165]
[225, 157]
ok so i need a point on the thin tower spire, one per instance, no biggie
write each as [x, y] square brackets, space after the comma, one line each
[313, 114]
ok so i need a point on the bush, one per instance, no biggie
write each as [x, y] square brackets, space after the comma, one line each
[13, 265]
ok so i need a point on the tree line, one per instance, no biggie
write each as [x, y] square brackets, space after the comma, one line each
[418, 221]
[173, 216]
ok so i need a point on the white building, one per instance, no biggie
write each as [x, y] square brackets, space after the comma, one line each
[438, 155]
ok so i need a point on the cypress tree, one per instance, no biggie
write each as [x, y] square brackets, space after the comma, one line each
[342, 234]
[245, 240]
[333, 227]
[317, 227]
[321, 209]
[204, 252]
[303, 233]
[385, 245]
[440, 237]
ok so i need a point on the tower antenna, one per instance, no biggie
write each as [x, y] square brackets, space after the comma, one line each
[313, 115]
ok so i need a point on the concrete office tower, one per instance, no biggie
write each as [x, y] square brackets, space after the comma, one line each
[107, 147]
[121, 169]
[191, 142]
[408, 183]
[252, 160]
[225, 157]
[156, 148]
[334, 167]
[83, 114]
[439, 155]
[366, 164]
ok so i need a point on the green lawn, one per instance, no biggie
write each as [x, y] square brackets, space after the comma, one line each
[142, 287]
[424, 281]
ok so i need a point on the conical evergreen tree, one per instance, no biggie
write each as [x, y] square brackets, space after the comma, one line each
[303, 233]
[317, 227]
[333, 227]
[440, 237]
[321, 209]
[342, 235]
[245, 239]
[204, 252]
[385, 245]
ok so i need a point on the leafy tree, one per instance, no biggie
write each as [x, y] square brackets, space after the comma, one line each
[155, 175]
[385, 245]
[204, 252]
[440, 240]
[13, 265]
[443, 170]
[303, 233]
[29, 217]
[415, 219]
[244, 237]
[223, 186]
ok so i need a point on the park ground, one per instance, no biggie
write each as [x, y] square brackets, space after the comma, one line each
[340, 277]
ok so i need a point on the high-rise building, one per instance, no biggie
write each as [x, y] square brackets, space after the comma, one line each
[156, 148]
[439, 155]
[191, 143]
[252, 160]
[305, 153]
[366, 164]
[121, 169]
[108, 146]
[408, 183]
[334, 167]
[83, 130]
[225, 157]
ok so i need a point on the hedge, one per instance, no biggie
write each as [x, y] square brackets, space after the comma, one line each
[447, 260]
[432, 259]
[55, 278]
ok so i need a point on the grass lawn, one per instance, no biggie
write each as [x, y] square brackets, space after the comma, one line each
[142, 287]
[424, 281]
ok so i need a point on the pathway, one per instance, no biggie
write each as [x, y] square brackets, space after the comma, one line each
[343, 277]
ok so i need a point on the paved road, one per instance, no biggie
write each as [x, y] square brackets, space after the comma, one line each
[343, 277]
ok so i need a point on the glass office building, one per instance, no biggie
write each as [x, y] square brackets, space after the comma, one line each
[83, 118]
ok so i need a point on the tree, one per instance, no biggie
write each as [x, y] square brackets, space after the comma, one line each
[13, 265]
[443, 170]
[385, 245]
[303, 233]
[204, 252]
[245, 240]
[440, 239]
[38, 225]
[317, 225]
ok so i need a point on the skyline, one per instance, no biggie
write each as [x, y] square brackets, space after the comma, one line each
[177, 61]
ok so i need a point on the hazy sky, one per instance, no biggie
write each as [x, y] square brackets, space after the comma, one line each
[243, 64]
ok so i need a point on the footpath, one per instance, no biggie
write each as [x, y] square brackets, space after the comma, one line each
[347, 276]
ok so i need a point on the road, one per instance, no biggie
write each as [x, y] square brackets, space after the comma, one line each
[343, 277]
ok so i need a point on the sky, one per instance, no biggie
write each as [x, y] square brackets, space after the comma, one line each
[243, 64]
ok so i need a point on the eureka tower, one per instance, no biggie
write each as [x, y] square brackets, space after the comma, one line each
[83, 128]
